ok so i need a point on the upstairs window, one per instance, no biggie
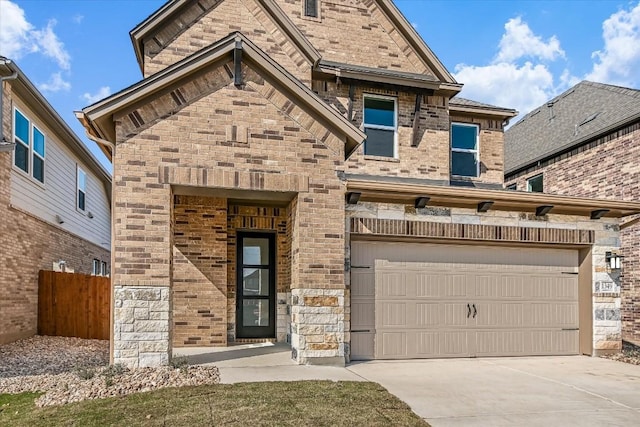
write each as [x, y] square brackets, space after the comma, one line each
[29, 155]
[81, 187]
[96, 267]
[512, 187]
[535, 184]
[311, 8]
[380, 126]
[464, 150]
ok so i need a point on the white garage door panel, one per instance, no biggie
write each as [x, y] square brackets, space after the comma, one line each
[459, 301]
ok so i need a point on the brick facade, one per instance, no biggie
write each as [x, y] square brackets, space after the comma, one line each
[234, 147]
[605, 168]
[28, 246]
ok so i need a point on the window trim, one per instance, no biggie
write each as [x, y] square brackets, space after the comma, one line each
[29, 145]
[541, 176]
[95, 269]
[84, 190]
[381, 127]
[103, 269]
[466, 150]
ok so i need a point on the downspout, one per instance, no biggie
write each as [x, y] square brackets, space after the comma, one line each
[3, 141]
[111, 145]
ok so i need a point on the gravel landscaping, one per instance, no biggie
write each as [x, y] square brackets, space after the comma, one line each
[72, 369]
[630, 354]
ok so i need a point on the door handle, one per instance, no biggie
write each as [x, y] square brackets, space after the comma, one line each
[468, 311]
[475, 311]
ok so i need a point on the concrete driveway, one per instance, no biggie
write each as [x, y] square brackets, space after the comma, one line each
[532, 391]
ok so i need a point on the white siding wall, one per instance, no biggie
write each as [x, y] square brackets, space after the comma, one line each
[58, 194]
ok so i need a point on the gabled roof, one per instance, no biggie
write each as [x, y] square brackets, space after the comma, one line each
[583, 113]
[30, 94]
[172, 7]
[98, 118]
[464, 105]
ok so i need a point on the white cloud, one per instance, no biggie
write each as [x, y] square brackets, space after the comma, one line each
[619, 60]
[519, 41]
[77, 18]
[55, 84]
[15, 30]
[102, 93]
[519, 76]
[507, 85]
[18, 37]
[51, 46]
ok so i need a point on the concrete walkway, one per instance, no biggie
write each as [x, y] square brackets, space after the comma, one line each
[261, 362]
[527, 391]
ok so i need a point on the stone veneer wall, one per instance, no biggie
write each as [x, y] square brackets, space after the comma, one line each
[606, 168]
[607, 327]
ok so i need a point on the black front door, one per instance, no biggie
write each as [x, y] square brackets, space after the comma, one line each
[256, 293]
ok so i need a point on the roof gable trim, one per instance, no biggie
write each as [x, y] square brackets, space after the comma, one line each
[100, 115]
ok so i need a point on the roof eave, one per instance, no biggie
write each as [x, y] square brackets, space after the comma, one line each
[503, 113]
[138, 33]
[503, 199]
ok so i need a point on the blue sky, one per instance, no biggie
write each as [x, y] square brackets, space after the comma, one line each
[515, 54]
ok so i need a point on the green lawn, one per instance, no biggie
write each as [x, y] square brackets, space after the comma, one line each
[303, 403]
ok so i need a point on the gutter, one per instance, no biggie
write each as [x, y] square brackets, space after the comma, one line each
[5, 146]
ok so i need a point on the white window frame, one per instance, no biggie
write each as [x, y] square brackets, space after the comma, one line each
[29, 145]
[103, 268]
[541, 176]
[464, 150]
[95, 270]
[79, 170]
[381, 127]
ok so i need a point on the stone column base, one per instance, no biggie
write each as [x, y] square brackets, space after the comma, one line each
[141, 326]
[318, 318]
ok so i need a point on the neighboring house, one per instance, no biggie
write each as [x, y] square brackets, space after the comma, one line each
[55, 211]
[248, 206]
[586, 142]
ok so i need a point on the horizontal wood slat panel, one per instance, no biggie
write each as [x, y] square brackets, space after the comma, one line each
[495, 233]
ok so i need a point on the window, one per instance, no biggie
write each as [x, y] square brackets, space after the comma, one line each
[535, 184]
[30, 146]
[96, 267]
[81, 185]
[103, 269]
[464, 150]
[512, 187]
[311, 8]
[380, 124]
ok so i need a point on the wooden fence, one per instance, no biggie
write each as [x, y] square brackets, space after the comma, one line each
[73, 305]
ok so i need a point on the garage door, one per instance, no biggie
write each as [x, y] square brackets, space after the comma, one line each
[412, 300]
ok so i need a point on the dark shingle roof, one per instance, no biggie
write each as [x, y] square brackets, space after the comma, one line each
[578, 115]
